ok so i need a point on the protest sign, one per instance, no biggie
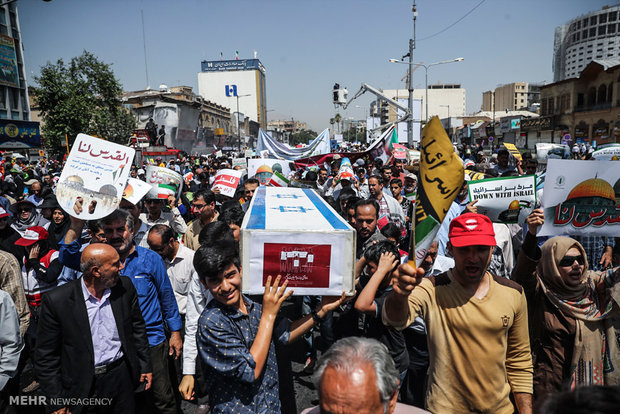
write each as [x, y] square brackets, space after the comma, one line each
[135, 190]
[294, 233]
[278, 180]
[399, 151]
[164, 182]
[96, 170]
[218, 153]
[512, 149]
[226, 181]
[474, 175]
[581, 197]
[504, 199]
[609, 153]
[248, 153]
[441, 178]
[242, 162]
[263, 168]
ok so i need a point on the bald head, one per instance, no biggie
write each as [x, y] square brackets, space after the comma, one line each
[100, 264]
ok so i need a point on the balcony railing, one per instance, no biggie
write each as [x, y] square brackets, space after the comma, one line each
[597, 107]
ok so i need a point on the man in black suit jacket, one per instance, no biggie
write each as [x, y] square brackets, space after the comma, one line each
[91, 340]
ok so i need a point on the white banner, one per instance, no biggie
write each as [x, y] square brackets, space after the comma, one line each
[226, 181]
[96, 170]
[581, 198]
[504, 199]
[135, 190]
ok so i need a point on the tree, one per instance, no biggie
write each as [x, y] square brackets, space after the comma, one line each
[337, 119]
[302, 137]
[81, 97]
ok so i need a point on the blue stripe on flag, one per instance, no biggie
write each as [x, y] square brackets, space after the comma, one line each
[336, 222]
[257, 217]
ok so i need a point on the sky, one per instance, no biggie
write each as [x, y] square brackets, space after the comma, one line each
[305, 46]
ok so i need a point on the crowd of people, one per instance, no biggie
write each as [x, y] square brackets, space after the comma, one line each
[144, 308]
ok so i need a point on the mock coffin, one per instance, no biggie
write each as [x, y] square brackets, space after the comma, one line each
[294, 233]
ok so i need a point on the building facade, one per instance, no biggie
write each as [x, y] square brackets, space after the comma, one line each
[14, 103]
[587, 108]
[190, 120]
[444, 100]
[511, 97]
[238, 85]
[594, 35]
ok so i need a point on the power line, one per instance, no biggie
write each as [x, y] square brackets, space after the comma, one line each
[453, 24]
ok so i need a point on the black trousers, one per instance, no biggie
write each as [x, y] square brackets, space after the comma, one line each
[115, 385]
[160, 397]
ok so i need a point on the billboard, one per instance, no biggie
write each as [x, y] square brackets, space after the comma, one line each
[8, 62]
[228, 65]
[19, 134]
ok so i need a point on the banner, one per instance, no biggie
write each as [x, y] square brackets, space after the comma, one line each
[504, 199]
[512, 149]
[96, 170]
[226, 181]
[581, 198]
[164, 182]
[275, 149]
[380, 148]
[8, 62]
[263, 168]
[135, 190]
[441, 178]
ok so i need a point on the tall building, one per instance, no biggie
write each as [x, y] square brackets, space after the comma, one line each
[14, 103]
[595, 35]
[444, 100]
[236, 84]
[512, 97]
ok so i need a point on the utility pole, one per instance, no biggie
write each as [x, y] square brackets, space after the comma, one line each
[410, 86]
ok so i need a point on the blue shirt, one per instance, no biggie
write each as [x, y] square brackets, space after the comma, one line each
[224, 338]
[147, 271]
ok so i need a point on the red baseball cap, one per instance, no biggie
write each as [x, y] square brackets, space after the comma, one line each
[471, 229]
[3, 213]
[32, 235]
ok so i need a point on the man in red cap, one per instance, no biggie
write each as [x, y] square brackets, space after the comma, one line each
[477, 326]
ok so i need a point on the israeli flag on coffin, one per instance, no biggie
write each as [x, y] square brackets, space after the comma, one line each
[231, 90]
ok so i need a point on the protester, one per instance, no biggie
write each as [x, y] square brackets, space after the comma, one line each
[204, 211]
[25, 215]
[571, 311]
[156, 215]
[477, 326]
[236, 336]
[11, 345]
[109, 330]
[366, 216]
[389, 208]
[357, 375]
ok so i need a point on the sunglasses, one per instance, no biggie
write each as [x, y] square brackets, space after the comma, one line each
[568, 261]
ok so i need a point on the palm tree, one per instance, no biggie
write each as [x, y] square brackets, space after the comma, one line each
[337, 120]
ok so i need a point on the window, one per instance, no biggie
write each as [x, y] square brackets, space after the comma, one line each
[609, 91]
[584, 22]
[543, 107]
[593, 21]
[602, 18]
[551, 108]
[592, 31]
[591, 96]
[602, 30]
[612, 16]
[580, 99]
[611, 28]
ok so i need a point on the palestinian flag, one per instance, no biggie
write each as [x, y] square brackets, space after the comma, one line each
[278, 180]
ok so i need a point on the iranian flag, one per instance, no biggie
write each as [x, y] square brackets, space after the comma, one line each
[278, 180]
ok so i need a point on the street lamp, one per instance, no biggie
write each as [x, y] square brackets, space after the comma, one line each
[425, 74]
[238, 130]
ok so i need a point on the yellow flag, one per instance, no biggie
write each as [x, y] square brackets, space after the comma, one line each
[513, 150]
[441, 178]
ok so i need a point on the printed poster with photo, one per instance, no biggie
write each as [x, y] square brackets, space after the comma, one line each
[504, 199]
[96, 170]
[581, 198]
[262, 168]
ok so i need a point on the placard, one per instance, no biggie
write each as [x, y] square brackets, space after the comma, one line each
[512, 149]
[96, 170]
[135, 190]
[242, 162]
[226, 181]
[164, 182]
[581, 198]
[609, 153]
[263, 168]
[504, 199]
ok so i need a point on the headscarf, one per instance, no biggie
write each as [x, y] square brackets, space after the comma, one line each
[596, 356]
[57, 231]
[35, 219]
